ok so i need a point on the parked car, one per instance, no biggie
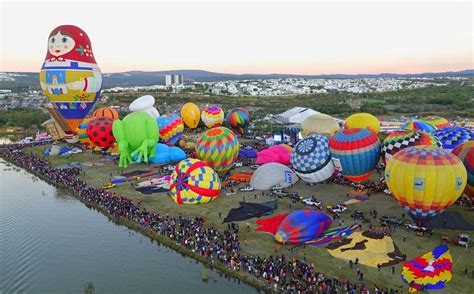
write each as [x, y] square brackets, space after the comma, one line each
[108, 186]
[312, 202]
[462, 240]
[336, 208]
[392, 220]
[247, 188]
[238, 164]
[357, 214]
[233, 184]
[254, 166]
[279, 193]
[415, 228]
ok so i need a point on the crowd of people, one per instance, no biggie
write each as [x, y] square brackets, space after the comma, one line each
[278, 272]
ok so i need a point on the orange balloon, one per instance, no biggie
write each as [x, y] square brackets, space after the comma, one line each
[107, 112]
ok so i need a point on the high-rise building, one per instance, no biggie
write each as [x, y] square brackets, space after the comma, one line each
[178, 79]
[168, 80]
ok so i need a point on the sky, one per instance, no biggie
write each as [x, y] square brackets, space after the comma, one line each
[247, 37]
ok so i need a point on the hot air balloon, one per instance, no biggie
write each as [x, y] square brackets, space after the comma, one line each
[452, 137]
[276, 153]
[219, 148]
[82, 131]
[171, 128]
[301, 226]
[402, 139]
[355, 153]
[212, 116]
[70, 76]
[319, 123]
[417, 125]
[145, 104]
[436, 121]
[272, 174]
[425, 180]
[194, 182]
[191, 115]
[99, 131]
[364, 121]
[430, 271]
[107, 112]
[465, 152]
[238, 119]
[311, 159]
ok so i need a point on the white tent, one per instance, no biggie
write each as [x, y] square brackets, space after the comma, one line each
[295, 115]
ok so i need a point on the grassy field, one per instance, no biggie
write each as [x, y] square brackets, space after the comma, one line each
[264, 244]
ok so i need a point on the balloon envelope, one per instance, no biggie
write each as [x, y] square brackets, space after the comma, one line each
[194, 182]
[401, 139]
[219, 148]
[417, 125]
[272, 174]
[453, 137]
[301, 226]
[99, 131]
[319, 123]
[436, 121]
[171, 128]
[238, 119]
[70, 76]
[82, 131]
[107, 112]
[355, 153]
[311, 159]
[275, 153]
[363, 121]
[191, 115]
[425, 180]
[212, 116]
[465, 152]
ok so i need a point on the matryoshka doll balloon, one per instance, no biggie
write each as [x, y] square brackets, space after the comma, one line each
[70, 76]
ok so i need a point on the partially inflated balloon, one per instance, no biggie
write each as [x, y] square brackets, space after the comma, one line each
[194, 182]
[453, 137]
[212, 116]
[465, 152]
[402, 139]
[70, 77]
[363, 120]
[219, 148]
[171, 128]
[191, 115]
[301, 226]
[425, 180]
[238, 119]
[436, 121]
[355, 153]
[319, 123]
[417, 125]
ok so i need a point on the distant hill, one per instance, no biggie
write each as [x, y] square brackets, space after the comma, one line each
[146, 78]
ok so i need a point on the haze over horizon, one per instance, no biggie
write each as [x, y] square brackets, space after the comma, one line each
[255, 38]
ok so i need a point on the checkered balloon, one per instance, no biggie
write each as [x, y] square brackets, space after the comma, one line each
[452, 137]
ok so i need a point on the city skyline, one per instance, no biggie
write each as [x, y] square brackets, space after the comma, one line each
[262, 38]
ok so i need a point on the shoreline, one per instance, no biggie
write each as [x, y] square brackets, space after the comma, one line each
[249, 280]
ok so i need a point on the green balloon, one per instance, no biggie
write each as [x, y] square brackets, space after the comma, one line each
[136, 134]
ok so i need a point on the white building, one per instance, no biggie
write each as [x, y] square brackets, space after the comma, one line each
[168, 80]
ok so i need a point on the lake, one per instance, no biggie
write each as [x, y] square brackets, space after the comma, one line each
[52, 243]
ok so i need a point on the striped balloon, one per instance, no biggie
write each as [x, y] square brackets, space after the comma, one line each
[212, 116]
[402, 139]
[355, 153]
[425, 180]
[107, 112]
[218, 147]
[452, 137]
[194, 182]
[465, 152]
[82, 131]
[436, 121]
[417, 125]
[238, 119]
[171, 128]
[302, 226]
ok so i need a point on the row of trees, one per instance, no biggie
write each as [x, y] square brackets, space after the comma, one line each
[22, 117]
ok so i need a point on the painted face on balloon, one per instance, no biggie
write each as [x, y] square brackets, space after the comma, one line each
[60, 44]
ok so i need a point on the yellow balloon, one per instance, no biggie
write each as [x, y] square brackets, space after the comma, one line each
[319, 123]
[363, 120]
[425, 180]
[191, 115]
